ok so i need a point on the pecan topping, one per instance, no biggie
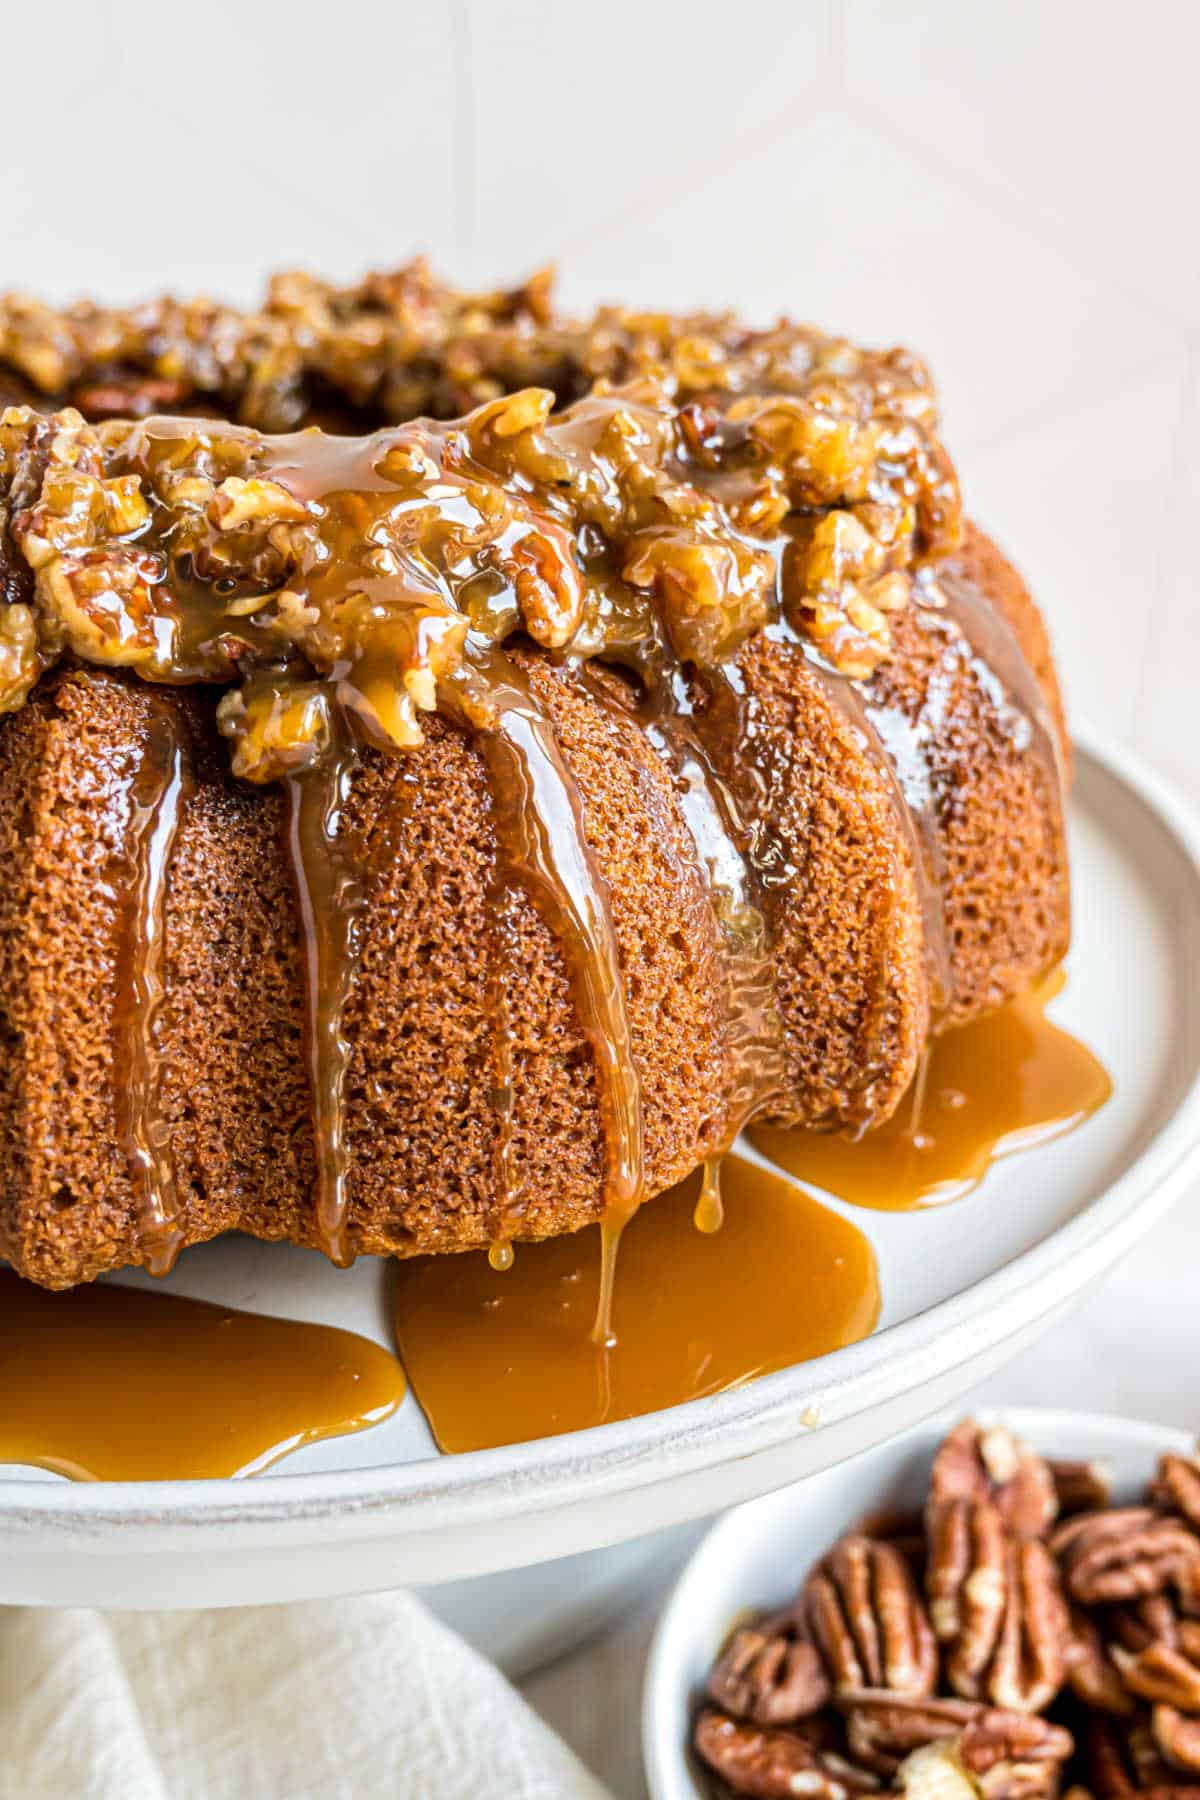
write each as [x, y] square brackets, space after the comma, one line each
[867, 1618]
[1125, 1553]
[770, 1674]
[997, 1606]
[775, 1764]
[989, 1463]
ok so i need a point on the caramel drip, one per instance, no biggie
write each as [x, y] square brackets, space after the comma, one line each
[982, 1091]
[709, 1213]
[116, 1384]
[541, 830]
[329, 881]
[502, 1358]
[509, 1205]
[158, 792]
[704, 761]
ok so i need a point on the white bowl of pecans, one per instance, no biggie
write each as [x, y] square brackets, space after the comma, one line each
[1001, 1608]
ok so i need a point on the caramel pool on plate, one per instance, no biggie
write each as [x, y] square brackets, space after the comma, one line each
[499, 1357]
[1008, 1082]
[116, 1384]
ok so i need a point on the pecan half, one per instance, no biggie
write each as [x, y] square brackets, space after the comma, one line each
[988, 1463]
[1178, 1737]
[863, 1610]
[1123, 1760]
[1124, 1554]
[775, 1764]
[1080, 1486]
[1092, 1675]
[998, 1607]
[1160, 1673]
[770, 1673]
[883, 1728]
[1176, 1487]
[1012, 1754]
[1151, 1620]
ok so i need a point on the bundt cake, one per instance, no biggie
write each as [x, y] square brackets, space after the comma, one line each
[425, 835]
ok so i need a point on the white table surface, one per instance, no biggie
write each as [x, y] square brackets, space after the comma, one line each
[1005, 187]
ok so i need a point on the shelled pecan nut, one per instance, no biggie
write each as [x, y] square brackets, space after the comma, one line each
[1125, 1554]
[1079, 1486]
[883, 1728]
[1151, 1620]
[997, 1606]
[1176, 1487]
[770, 1673]
[775, 1763]
[1124, 1759]
[1177, 1736]
[1092, 1675]
[1161, 1674]
[990, 1463]
[865, 1614]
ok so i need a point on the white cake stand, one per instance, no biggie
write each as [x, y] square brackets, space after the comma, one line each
[965, 1287]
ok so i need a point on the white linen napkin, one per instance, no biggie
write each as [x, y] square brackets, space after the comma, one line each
[325, 1700]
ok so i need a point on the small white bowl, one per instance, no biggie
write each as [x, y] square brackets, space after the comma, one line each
[756, 1556]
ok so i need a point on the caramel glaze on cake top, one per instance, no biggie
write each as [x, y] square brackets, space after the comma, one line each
[600, 778]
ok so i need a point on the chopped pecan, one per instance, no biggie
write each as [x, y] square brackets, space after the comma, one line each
[990, 1463]
[770, 1673]
[1176, 1487]
[1125, 1553]
[1177, 1736]
[775, 1764]
[863, 1610]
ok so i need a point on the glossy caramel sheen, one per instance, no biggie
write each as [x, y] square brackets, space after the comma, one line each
[1005, 1083]
[116, 1384]
[502, 1357]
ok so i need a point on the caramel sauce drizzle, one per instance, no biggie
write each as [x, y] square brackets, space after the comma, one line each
[506, 1176]
[109, 1383]
[158, 792]
[330, 887]
[982, 1091]
[502, 1358]
[541, 829]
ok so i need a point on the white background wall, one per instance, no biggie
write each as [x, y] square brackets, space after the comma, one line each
[1011, 187]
